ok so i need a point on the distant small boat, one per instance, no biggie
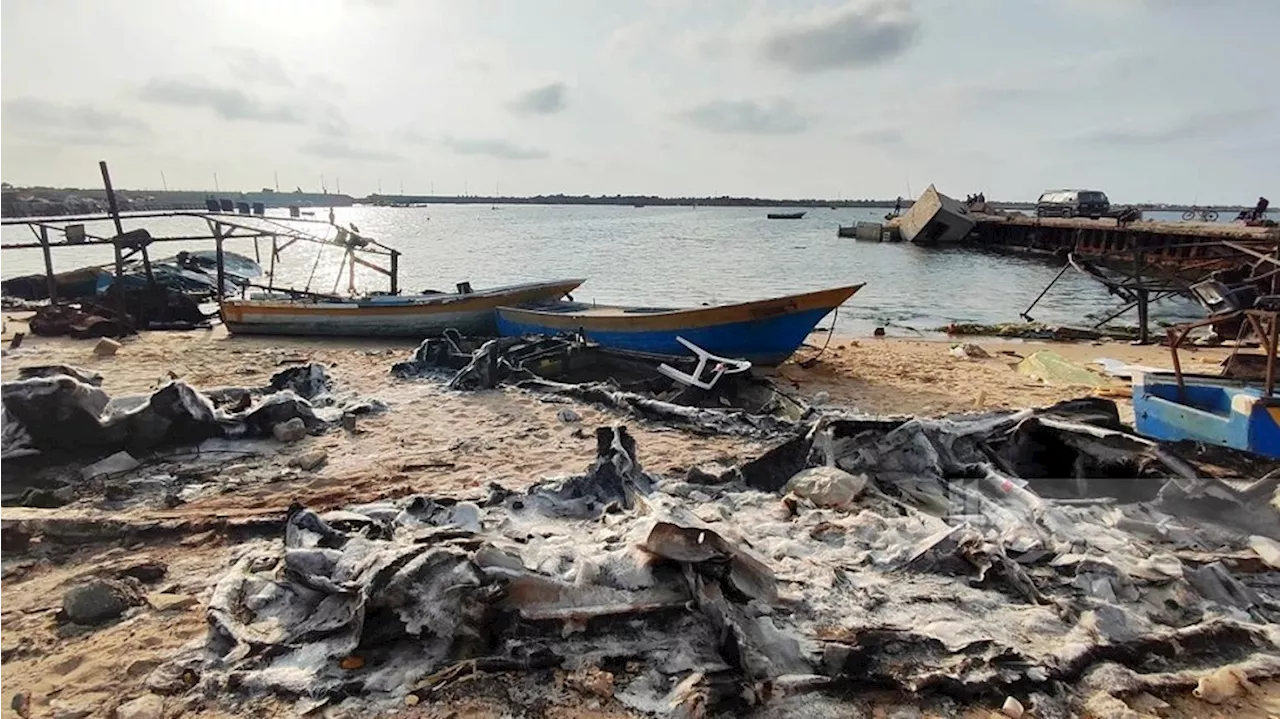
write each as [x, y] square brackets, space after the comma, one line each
[766, 332]
[786, 215]
[417, 316]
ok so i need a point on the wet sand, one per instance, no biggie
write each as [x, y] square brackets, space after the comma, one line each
[435, 441]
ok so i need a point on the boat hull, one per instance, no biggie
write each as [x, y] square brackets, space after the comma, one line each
[1209, 409]
[416, 317]
[767, 332]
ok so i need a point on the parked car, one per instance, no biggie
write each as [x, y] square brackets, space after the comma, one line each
[1073, 203]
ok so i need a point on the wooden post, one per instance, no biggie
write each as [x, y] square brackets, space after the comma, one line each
[1271, 343]
[117, 286]
[1143, 333]
[48, 265]
[1144, 336]
[395, 272]
[351, 273]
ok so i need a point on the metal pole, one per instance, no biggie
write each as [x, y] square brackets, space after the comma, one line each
[117, 287]
[48, 265]
[222, 269]
[1026, 313]
[271, 273]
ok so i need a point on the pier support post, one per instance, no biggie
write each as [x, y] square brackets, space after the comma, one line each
[1144, 336]
[48, 265]
[1141, 294]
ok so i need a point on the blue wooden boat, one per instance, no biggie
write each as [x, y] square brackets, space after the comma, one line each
[766, 332]
[1216, 410]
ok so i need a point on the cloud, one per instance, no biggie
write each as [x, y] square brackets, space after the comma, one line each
[411, 136]
[501, 149]
[1193, 127]
[321, 85]
[336, 149]
[1011, 84]
[332, 123]
[545, 100]
[858, 34]
[250, 65]
[79, 124]
[775, 117]
[229, 103]
[881, 136]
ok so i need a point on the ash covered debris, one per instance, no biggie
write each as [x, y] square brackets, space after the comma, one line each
[63, 410]
[947, 575]
[567, 367]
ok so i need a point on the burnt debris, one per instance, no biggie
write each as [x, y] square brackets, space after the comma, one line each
[947, 573]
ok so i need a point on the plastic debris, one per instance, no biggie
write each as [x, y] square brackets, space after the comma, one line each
[1052, 368]
[106, 347]
[827, 486]
[969, 351]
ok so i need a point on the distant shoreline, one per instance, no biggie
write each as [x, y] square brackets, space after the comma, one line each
[20, 198]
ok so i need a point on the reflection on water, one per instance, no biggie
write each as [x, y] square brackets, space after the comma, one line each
[669, 256]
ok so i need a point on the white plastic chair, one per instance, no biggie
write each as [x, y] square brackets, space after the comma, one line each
[721, 367]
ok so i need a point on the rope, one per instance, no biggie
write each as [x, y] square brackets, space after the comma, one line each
[809, 362]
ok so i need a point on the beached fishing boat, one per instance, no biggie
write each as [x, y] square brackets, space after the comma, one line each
[417, 316]
[766, 332]
[786, 215]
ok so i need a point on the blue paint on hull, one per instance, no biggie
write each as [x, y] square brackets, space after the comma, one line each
[765, 342]
[1211, 410]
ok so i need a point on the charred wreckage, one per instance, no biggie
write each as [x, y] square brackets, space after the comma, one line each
[1050, 555]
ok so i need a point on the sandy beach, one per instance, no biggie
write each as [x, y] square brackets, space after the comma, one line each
[431, 440]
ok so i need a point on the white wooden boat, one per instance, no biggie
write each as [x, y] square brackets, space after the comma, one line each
[417, 316]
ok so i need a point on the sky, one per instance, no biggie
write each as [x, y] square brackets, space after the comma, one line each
[1148, 100]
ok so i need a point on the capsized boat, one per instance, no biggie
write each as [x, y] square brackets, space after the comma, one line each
[417, 316]
[786, 215]
[766, 332]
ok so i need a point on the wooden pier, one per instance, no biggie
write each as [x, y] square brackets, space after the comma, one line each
[1159, 242]
[1138, 262]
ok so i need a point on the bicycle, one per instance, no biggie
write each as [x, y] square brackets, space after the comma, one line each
[1203, 213]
